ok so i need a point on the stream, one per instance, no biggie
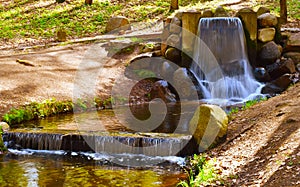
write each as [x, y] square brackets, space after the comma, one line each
[49, 165]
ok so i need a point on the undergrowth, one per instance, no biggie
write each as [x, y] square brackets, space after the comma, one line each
[51, 107]
[246, 105]
[201, 172]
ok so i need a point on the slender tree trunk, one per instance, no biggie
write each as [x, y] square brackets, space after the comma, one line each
[283, 11]
[88, 2]
[174, 5]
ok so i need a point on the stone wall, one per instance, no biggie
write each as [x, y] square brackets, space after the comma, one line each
[274, 58]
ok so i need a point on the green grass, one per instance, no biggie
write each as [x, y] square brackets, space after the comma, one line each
[246, 105]
[26, 21]
[293, 7]
[37, 110]
[51, 107]
[39, 19]
[202, 172]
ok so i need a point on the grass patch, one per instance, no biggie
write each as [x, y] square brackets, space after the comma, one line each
[202, 172]
[293, 7]
[51, 107]
[30, 21]
[246, 105]
[36, 110]
[21, 19]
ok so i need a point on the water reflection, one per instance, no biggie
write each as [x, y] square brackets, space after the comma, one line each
[60, 170]
[176, 119]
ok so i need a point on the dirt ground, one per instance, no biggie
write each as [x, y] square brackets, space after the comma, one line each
[55, 73]
[263, 143]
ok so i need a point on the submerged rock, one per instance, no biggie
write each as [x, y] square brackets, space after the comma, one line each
[208, 125]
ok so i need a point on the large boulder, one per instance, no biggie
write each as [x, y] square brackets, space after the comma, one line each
[269, 53]
[208, 125]
[117, 23]
[278, 85]
[266, 34]
[280, 68]
[267, 20]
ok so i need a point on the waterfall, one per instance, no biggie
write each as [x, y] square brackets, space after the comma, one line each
[38, 141]
[150, 144]
[221, 65]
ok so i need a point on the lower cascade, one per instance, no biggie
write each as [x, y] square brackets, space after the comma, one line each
[221, 64]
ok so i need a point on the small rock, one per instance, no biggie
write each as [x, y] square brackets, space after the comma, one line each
[116, 23]
[295, 56]
[167, 70]
[175, 26]
[173, 55]
[4, 126]
[220, 12]
[174, 41]
[161, 90]
[183, 83]
[294, 39]
[266, 34]
[267, 20]
[262, 10]
[261, 74]
[207, 13]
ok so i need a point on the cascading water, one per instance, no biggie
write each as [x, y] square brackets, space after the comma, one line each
[221, 64]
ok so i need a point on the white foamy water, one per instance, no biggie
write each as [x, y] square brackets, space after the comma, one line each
[221, 64]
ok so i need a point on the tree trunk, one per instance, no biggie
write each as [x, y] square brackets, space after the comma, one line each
[88, 2]
[174, 5]
[283, 12]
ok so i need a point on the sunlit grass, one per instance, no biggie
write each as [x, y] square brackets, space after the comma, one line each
[41, 19]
